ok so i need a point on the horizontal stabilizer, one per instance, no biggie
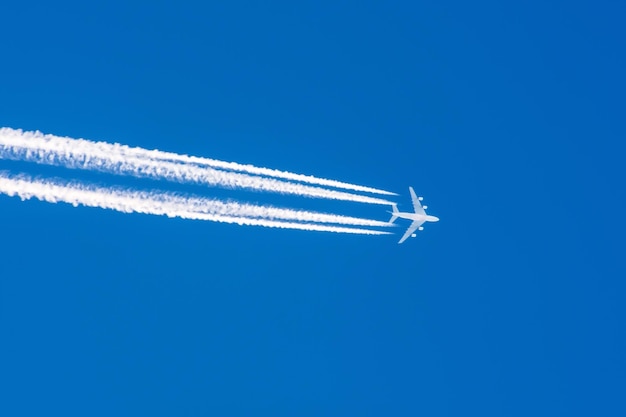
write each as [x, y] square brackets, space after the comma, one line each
[394, 215]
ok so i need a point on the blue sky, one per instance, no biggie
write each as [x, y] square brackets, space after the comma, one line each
[508, 119]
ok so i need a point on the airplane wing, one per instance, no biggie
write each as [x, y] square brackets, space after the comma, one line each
[417, 206]
[412, 228]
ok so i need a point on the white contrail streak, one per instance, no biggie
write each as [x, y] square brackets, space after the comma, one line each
[122, 160]
[159, 203]
[249, 169]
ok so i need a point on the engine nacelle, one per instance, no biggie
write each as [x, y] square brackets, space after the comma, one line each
[413, 235]
[425, 207]
[420, 198]
[421, 228]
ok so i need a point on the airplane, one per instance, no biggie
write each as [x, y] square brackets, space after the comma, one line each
[419, 217]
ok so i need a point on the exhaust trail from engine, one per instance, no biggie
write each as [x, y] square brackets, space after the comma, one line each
[250, 169]
[123, 160]
[170, 205]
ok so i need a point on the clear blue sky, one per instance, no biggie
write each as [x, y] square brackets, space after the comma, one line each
[509, 119]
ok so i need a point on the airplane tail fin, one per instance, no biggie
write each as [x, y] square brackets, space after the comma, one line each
[394, 214]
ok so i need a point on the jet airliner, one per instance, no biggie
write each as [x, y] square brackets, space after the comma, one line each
[419, 216]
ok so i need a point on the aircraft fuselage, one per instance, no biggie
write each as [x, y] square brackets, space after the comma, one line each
[417, 216]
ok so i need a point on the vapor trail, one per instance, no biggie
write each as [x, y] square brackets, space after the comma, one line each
[159, 203]
[249, 169]
[122, 160]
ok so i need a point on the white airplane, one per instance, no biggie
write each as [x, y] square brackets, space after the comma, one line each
[419, 217]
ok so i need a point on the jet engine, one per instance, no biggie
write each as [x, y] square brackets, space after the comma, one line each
[421, 228]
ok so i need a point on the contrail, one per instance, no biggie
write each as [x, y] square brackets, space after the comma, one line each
[202, 205]
[249, 169]
[120, 159]
[160, 203]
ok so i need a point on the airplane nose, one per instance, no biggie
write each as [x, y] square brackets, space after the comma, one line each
[436, 218]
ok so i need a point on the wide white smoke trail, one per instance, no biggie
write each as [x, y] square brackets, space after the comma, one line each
[120, 159]
[159, 203]
[248, 169]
